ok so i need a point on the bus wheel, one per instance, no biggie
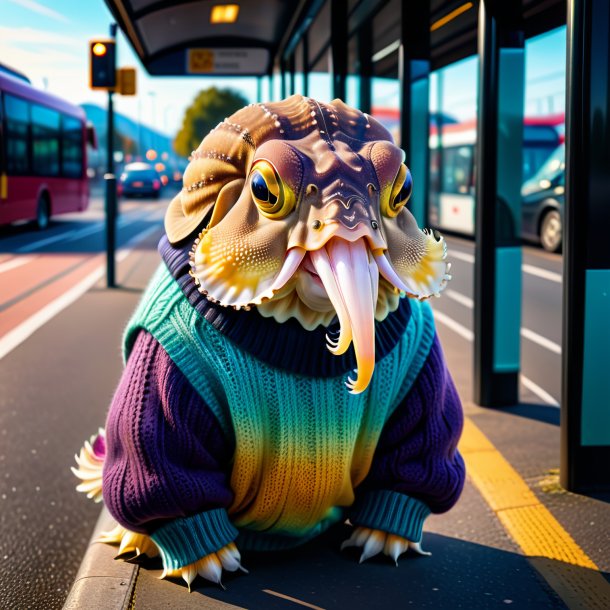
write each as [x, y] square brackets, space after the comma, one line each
[43, 213]
[551, 231]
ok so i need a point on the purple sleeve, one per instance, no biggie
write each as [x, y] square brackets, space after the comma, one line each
[167, 457]
[417, 452]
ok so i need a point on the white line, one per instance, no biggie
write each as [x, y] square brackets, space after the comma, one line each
[536, 389]
[45, 242]
[85, 232]
[464, 332]
[462, 256]
[469, 336]
[543, 273]
[531, 269]
[540, 340]
[15, 262]
[24, 330]
[460, 298]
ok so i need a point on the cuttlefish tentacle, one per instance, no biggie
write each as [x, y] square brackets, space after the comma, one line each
[351, 282]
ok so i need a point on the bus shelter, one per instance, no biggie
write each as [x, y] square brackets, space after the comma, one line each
[348, 43]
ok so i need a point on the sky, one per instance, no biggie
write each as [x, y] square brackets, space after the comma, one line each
[48, 41]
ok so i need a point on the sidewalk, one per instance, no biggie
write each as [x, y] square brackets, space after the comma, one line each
[512, 506]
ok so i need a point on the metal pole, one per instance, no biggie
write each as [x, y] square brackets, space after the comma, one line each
[306, 63]
[414, 75]
[338, 47]
[365, 56]
[499, 160]
[111, 198]
[283, 79]
[585, 392]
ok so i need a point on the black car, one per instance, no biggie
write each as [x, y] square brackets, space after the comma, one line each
[542, 198]
[140, 179]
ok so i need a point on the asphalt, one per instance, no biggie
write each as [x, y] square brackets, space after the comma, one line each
[55, 390]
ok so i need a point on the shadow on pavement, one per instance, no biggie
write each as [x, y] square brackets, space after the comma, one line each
[460, 574]
[542, 413]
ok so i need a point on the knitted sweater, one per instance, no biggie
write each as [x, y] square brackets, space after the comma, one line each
[209, 442]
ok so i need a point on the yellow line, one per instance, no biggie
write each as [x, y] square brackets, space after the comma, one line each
[526, 519]
[439, 23]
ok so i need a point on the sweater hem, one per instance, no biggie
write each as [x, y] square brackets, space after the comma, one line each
[186, 540]
[391, 512]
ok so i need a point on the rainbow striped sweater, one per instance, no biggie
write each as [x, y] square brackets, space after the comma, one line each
[229, 426]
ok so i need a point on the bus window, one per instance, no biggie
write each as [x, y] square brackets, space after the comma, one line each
[72, 148]
[457, 169]
[45, 141]
[17, 127]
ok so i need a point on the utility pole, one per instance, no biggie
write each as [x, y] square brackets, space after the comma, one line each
[110, 178]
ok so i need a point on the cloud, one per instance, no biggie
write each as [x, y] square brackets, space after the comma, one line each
[41, 9]
[36, 37]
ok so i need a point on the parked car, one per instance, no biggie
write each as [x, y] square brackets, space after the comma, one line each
[140, 179]
[542, 200]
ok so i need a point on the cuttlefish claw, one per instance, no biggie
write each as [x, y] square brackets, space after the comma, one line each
[373, 545]
[209, 567]
[374, 541]
[395, 546]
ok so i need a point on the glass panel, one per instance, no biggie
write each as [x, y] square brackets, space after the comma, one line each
[319, 33]
[385, 100]
[298, 66]
[45, 141]
[385, 88]
[457, 169]
[72, 148]
[320, 83]
[545, 87]
[352, 83]
[17, 127]
[453, 123]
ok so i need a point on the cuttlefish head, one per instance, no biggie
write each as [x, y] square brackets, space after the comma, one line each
[317, 229]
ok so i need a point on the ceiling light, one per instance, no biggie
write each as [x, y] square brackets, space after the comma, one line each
[224, 13]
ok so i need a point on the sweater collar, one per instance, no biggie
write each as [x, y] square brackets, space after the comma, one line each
[283, 345]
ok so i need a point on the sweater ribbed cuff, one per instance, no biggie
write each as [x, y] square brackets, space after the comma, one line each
[186, 540]
[392, 512]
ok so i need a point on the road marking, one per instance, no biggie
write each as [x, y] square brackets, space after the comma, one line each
[45, 242]
[543, 273]
[15, 262]
[531, 269]
[531, 525]
[292, 599]
[467, 334]
[24, 330]
[460, 298]
[456, 327]
[540, 392]
[540, 340]
[462, 256]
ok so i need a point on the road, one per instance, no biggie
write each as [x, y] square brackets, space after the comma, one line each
[58, 371]
[541, 316]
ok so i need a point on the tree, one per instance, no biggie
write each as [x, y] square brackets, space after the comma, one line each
[210, 107]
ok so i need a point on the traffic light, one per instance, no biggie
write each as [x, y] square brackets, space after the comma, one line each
[102, 62]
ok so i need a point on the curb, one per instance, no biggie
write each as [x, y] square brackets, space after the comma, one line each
[102, 583]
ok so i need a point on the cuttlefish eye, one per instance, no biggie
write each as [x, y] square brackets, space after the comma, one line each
[400, 193]
[272, 196]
